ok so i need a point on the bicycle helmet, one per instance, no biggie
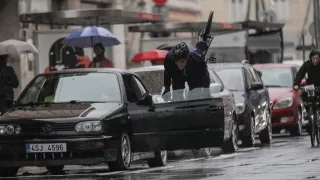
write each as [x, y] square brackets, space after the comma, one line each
[180, 51]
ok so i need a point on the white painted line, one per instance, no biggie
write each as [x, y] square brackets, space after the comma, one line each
[248, 149]
[224, 156]
[147, 170]
[189, 160]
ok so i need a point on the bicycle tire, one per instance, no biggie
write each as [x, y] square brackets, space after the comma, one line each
[312, 127]
[317, 132]
[208, 25]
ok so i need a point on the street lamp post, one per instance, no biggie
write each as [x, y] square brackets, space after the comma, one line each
[316, 21]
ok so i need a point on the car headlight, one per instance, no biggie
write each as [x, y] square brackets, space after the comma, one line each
[283, 103]
[240, 107]
[89, 126]
[10, 129]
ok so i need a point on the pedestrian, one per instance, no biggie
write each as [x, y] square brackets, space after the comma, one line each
[8, 81]
[100, 61]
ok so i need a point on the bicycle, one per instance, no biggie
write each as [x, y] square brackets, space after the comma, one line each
[311, 96]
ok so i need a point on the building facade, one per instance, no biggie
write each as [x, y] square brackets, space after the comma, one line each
[294, 13]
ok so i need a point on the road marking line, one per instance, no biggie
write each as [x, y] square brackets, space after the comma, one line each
[147, 170]
[248, 149]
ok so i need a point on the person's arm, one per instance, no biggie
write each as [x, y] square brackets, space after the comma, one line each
[300, 75]
[13, 79]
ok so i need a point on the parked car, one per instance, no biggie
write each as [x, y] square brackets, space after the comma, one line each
[93, 116]
[252, 100]
[152, 77]
[288, 111]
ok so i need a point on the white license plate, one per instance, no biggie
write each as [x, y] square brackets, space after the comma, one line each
[55, 147]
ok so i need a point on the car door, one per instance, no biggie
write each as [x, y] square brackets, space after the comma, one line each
[134, 91]
[254, 97]
[228, 100]
[179, 125]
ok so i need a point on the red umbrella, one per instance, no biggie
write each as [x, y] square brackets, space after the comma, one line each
[152, 55]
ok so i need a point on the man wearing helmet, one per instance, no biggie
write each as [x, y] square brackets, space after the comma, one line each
[310, 67]
[184, 64]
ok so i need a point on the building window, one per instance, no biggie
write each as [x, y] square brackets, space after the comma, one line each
[237, 10]
[282, 10]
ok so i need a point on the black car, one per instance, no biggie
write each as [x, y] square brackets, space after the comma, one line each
[93, 116]
[252, 100]
[152, 77]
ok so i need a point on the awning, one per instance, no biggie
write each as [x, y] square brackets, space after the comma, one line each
[216, 27]
[258, 25]
[86, 17]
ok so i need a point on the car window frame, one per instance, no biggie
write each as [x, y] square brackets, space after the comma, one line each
[255, 75]
[137, 89]
[214, 74]
[246, 69]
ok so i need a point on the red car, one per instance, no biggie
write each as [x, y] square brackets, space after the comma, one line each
[288, 111]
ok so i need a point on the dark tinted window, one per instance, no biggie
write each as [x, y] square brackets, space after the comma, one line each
[231, 78]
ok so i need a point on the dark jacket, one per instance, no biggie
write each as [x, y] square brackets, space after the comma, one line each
[195, 74]
[312, 71]
[8, 81]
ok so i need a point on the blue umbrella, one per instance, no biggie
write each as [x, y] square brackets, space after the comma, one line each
[89, 36]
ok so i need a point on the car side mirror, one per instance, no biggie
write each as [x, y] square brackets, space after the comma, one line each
[145, 100]
[303, 82]
[256, 86]
[216, 88]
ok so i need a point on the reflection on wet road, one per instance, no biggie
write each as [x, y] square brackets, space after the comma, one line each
[287, 158]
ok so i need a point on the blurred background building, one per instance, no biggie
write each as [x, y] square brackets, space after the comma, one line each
[296, 14]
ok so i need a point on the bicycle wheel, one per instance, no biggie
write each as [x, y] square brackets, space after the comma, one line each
[208, 26]
[317, 128]
[312, 127]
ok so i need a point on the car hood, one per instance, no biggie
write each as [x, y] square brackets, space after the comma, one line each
[239, 96]
[63, 111]
[279, 92]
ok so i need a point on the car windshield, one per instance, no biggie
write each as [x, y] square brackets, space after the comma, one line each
[277, 77]
[58, 88]
[231, 78]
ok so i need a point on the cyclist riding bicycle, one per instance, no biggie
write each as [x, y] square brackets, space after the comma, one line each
[310, 67]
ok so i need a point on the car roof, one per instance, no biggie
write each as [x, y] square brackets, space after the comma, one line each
[274, 65]
[80, 70]
[227, 65]
[147, 68]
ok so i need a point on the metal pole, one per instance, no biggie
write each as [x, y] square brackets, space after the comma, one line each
[303, 48]
[316, 21]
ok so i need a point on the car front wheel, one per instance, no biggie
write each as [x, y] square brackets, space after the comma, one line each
[231, 145]
[266, 135]
[123, 155]
[297, 129]
[159, 160]
[249, 139]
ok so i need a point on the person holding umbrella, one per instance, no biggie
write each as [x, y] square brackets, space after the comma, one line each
[100, 61]
[96, 37]
[8, 81]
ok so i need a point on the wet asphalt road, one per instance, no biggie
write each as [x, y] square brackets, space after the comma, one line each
[287, 158]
